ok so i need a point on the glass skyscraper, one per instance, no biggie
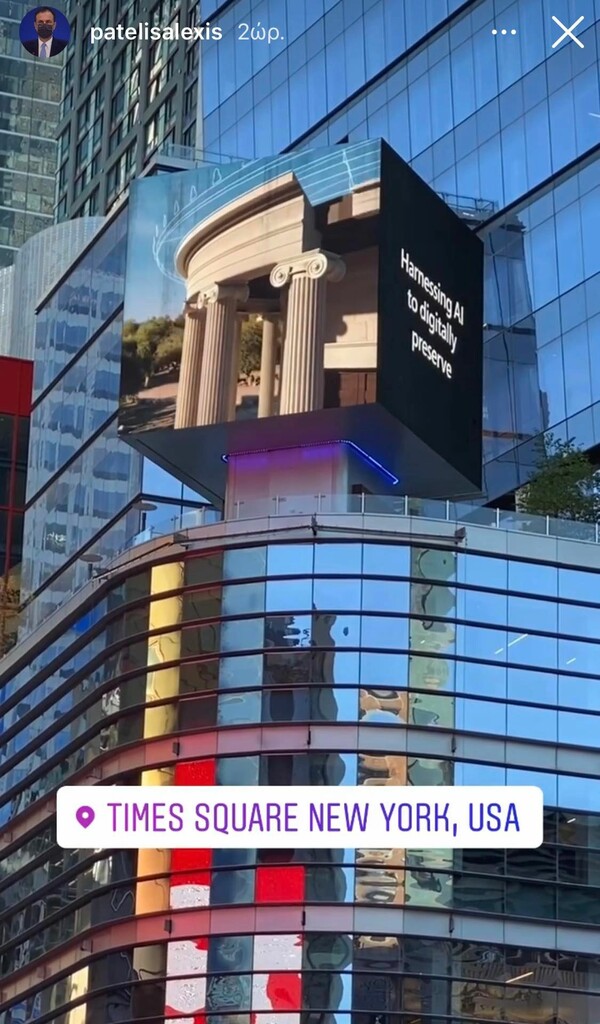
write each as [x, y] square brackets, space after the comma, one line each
[123, 100]
[29, 110]
[88, 493]
[502, 121]
[38, 264]
[307, 633]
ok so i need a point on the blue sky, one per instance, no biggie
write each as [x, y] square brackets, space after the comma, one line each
[148, 291]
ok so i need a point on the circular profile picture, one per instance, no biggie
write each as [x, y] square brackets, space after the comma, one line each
[44, 32]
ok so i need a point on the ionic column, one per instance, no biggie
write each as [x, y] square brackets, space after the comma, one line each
[188, 387]
[219, 345]
[302, 372]
[268, 361]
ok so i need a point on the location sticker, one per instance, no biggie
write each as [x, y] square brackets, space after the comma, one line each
[85, 816]
[277, 817]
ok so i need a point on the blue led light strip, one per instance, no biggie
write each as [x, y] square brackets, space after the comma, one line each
[386, 473]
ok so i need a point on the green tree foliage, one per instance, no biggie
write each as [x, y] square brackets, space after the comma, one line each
[168, 352]
[564, 485]
[250, 346]
[149, 347]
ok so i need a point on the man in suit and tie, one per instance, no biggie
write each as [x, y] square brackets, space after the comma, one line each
[44, 44]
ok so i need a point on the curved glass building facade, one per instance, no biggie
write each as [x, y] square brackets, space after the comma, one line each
[341, 649]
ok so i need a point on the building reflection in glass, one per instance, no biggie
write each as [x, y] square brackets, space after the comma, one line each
[432, 636]
[515, 407]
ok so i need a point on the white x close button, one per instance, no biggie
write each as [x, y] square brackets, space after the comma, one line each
[568, 32]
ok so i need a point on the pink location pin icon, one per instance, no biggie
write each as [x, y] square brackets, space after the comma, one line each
[85, 816]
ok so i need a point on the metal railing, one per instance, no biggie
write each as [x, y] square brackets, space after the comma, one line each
[370, 504]
[175, 151]
[469, 206]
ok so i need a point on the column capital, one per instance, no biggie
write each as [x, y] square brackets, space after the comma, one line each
[314, 264]
[223, 293]
[192, 310]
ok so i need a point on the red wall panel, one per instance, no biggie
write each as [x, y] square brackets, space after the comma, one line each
[16, 383]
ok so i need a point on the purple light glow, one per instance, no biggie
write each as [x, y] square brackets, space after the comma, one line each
[373, 463]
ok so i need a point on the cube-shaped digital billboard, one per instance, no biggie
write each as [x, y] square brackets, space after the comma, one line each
[321, 296]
